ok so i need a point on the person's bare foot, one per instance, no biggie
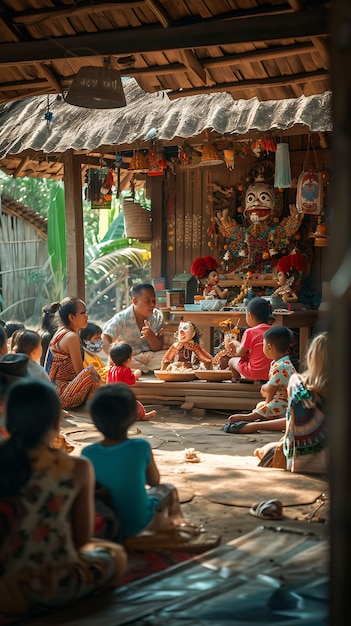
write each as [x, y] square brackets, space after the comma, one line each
[148, 416]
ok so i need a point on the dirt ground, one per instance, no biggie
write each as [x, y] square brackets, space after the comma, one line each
[218, 490]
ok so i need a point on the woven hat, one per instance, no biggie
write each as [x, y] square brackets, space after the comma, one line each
[13, 367]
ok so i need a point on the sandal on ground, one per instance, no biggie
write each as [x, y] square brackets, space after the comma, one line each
[267, 509]
[179, 538]
[234, 427]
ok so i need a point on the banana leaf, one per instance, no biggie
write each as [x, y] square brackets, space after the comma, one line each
[57, 236]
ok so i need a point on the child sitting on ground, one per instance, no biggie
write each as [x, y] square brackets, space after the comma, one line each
[29, 342]
[250, 360]
[125, 466]
[306, 425]
[121, 372]
[276, 344]
[92, 344]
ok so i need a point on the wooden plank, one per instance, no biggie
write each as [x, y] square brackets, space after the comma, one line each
[221, 403]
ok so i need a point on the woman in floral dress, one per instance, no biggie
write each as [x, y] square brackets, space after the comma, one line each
[47, 555]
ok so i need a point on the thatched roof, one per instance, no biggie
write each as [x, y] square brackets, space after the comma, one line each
[17, 209]
[274, 49]
[39, 147]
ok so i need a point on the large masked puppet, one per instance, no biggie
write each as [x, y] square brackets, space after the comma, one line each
[264, 238]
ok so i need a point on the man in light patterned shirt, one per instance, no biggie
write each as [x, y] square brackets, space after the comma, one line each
[140, 325]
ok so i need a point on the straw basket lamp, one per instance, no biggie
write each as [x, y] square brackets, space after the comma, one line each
[138, 162]
[97, 88]
[210, 155]
[137, 221]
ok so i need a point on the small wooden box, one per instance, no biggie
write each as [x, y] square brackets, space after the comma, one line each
[175, 297]
[161, 301]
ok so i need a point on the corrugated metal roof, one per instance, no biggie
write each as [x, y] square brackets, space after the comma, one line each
[23, 127]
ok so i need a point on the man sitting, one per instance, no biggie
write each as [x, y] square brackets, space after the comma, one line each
[140, 325]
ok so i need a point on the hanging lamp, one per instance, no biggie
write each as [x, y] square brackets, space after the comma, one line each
[210, 155]
[320, 235]
[97, 88]
[138, 162]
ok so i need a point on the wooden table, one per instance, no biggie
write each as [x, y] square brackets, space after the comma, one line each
[208, 322]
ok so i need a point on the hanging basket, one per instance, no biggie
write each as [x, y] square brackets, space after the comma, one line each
[137, 221]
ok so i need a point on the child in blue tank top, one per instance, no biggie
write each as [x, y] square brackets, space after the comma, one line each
[125, 466]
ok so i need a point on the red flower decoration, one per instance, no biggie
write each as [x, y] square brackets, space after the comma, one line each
[201, 266]
[292, 263]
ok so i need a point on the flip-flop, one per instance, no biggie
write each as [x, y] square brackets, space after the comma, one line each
[173, 539]
[234, 427]
[267, 509]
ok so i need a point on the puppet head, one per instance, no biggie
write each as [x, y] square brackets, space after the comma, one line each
[187, 331]
[260, 201]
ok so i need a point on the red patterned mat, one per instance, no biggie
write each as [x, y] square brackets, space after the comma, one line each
[142, 564]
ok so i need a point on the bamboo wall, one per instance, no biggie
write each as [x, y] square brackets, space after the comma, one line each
[22, 251]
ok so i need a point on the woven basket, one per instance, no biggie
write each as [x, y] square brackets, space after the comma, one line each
[137, 221]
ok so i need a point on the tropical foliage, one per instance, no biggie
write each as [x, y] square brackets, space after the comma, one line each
[112, 264]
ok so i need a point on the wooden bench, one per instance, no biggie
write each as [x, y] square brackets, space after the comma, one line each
[238, 396]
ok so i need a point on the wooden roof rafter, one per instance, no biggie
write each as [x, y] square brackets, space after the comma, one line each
[165, 45]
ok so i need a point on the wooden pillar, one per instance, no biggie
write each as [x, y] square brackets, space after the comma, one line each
[74, 225]
[158, 243]
[340, 313]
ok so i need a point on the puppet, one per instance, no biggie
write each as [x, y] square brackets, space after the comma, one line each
[264, 238]
[205, 270]
[186, 352]
[290, 269]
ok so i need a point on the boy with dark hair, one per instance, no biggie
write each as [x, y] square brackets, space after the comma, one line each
[276, 342]
[121, 372]
[125, 466]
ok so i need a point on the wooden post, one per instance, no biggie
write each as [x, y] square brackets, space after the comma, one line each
[74, 225]
[158, 235]
[340, 314]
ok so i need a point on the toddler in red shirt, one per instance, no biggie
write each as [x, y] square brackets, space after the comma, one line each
[121, 372]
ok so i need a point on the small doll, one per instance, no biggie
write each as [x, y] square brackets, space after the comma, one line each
[290, 269]
[228, 350]
[206, 269]
[186, 352]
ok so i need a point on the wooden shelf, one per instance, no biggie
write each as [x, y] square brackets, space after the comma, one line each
[232, 280]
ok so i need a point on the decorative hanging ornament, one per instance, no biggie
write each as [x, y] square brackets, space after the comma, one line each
[229, 158]
[48, 115]
[320, 235]
[138, 162]
[282, 176]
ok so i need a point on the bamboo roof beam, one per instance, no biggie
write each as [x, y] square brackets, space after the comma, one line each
[255, 83]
